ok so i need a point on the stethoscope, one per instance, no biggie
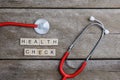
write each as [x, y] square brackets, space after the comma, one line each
[41, 26]
[83, 65]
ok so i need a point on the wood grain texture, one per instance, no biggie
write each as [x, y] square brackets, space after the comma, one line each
[48, 70]
[64, 18]
[65, 25]
[67, 18]
[60, 3]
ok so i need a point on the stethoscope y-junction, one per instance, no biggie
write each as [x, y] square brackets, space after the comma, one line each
[80, 69]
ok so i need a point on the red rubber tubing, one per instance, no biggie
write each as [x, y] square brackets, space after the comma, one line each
[65, 75]
[17, 24]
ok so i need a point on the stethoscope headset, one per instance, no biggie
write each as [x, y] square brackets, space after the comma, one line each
[84, 63]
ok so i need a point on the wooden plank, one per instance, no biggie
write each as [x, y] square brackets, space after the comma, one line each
[74, 19]
[61, 3]
[48, 70]
[10, 48]
[65, 25]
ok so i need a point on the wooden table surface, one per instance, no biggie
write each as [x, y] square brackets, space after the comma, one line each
[67, 18]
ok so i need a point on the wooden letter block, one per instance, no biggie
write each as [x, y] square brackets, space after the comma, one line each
[44, 41]
[36, 41]
[39, 52]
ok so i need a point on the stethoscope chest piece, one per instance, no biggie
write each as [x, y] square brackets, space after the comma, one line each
[43, 26]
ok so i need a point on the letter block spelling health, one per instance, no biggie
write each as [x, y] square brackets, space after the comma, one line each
[38, 41]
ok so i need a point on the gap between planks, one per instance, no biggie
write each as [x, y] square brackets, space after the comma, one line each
[55, 8]
[99, 59]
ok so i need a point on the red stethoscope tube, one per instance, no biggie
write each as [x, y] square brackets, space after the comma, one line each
[17, 24]
[65, 75]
